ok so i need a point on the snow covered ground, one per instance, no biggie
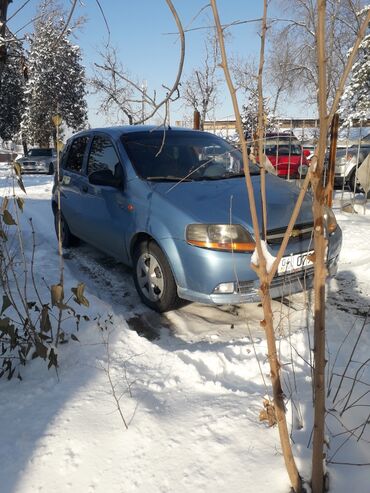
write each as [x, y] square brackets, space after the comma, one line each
[191, 383]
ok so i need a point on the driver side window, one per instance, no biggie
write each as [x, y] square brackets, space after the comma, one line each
[102, 156]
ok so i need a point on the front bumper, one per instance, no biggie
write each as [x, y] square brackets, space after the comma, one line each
[249, 291]
[202, 271]
[35, 167]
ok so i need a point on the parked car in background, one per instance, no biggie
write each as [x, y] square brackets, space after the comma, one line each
[39, 160]
[173, 205]
[286, 155]
[348, 160]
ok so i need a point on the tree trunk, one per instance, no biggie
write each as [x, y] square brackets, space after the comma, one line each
[320, 267]
[3, 16]
[264, 280]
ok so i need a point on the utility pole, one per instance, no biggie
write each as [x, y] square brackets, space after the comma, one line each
[196, 120]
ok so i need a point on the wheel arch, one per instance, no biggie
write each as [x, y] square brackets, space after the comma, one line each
[169, 250]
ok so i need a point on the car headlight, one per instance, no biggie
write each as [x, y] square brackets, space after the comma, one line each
[226, 237]
[330, 220]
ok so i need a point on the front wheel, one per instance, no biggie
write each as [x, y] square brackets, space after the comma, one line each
[153, 278]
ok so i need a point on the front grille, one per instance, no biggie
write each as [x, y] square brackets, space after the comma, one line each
[29, 163]
[300, 232]
[288, 278]
[245, 287]
[301, 276]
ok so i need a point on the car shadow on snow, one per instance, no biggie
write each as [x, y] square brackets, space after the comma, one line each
[346, 295]
[112, 282]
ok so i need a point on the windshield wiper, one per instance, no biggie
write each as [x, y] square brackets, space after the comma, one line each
[224, 176]
[167, 178]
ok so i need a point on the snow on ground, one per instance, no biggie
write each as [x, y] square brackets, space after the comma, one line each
[191, 383]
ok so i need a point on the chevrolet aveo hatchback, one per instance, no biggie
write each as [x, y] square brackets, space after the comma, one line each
[173, 204]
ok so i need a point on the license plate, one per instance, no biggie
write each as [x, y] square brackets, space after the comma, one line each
[295, 262]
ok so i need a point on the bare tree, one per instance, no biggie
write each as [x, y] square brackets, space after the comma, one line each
[280, 75]
[261, 268]
[110, 81]
[201, 87]
[265, 275]
[119, 93]
[299, 33]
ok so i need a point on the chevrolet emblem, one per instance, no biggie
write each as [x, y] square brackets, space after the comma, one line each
[295, 233]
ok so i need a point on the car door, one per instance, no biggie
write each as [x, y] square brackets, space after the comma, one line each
[106, 213]
[72, 183]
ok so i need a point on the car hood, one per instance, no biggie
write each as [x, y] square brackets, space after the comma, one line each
[225, 201]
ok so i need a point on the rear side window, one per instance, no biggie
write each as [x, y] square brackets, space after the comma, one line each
[102, 156]
[76, 153]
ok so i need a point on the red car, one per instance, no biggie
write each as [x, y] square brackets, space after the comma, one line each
[286, 155]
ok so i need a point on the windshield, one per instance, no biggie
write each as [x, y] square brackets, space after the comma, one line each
[40, 152]
[183, 155]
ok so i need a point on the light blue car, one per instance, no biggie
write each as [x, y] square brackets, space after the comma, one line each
[172, 203]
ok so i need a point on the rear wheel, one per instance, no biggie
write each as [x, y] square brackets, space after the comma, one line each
[153, 278]
[67, 238]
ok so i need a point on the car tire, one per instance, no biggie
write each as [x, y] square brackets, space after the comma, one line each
[68, 239]
[51, 169]
[153, 278]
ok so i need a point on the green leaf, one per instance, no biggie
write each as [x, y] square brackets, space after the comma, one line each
[6, 303]
[8, 218]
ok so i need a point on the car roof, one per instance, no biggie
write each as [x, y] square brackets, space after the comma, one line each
[119, 130]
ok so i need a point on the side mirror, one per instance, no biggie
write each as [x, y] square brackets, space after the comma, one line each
[106, 178]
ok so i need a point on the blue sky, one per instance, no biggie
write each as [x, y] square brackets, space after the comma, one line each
[137, 30]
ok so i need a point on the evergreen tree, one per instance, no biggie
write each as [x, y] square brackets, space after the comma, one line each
[11, 91]
[249, 115]
[56, 80]
[355, 104]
